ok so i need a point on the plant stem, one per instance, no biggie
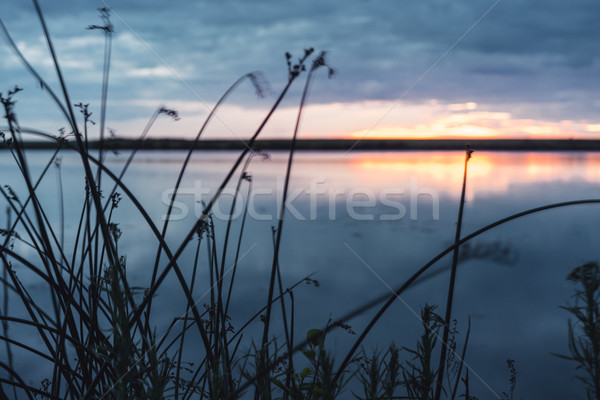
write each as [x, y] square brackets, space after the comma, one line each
[462, 361]
[440, 380]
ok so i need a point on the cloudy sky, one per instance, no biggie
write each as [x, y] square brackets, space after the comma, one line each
[405, 68]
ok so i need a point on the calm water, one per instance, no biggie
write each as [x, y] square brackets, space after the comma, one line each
[363, 223]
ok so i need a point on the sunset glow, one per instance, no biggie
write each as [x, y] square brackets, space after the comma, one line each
[365, 120]
[489, 172]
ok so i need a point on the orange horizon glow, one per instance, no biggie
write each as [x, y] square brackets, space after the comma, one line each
[368, 120]
[489, 172]
[434, 121]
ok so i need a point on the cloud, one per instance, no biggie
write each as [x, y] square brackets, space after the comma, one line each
[540, 54]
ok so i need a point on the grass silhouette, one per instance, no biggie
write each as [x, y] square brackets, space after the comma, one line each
[98, 331]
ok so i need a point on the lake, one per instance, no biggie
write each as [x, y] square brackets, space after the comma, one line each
[362, 223]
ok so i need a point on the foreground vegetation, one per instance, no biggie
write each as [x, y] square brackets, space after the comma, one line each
[97, 333]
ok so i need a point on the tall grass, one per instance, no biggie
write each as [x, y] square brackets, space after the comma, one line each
[100, 337]
[94, 328]
[584, 333]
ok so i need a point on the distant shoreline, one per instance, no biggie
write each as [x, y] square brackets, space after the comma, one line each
[345, 145]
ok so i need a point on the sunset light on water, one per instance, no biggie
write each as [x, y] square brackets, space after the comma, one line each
[489, 172]
[304, 200]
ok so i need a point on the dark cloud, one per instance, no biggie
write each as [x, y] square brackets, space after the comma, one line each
[522, 51]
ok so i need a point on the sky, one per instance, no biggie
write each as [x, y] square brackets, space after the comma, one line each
[404, 68]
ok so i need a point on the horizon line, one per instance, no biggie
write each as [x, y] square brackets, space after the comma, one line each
[339, 144]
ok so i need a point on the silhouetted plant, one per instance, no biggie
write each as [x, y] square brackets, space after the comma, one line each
[379, 375]
[419, 375]
[97, 332]
[316, 380]
[451, 286]
[88, 283]
[512, 380]
[584, 332]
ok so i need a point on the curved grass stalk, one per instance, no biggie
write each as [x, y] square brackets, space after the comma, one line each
[44, 246]
[43, 228]
[243, 176]
[253, 79]
[6, 287]
[61, 202]
[185, 318]
[264, 356]
[28, 307]
[107, 29]
[21, 211]
[222, 311]
[200, 221]
[138, 146]
[237, 250]
[389, 299]
[20, 383]
[47, 278]
[239, 332]
[33, 72]
[259, 312]
[136, 204]
[68, 111]
[27, 300]
[317, 63]
[289, 336]
[60, 245]
[20, 290]
[108, 245]
[159, 238]
[112, 256]
[409, 281]
[38, 353]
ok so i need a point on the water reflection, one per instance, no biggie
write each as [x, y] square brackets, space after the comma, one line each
[510, 280]
[512, 290]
